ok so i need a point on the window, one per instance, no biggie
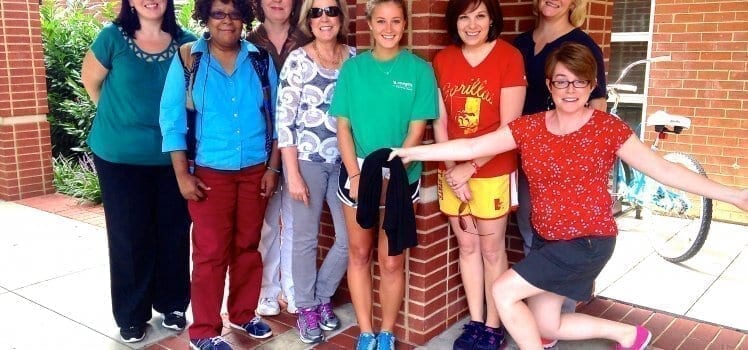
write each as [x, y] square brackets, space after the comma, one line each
[630, 41]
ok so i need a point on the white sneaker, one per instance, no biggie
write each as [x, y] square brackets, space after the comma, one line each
[267, 307]
[291, 308]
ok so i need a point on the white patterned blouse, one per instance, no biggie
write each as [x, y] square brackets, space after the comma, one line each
[304, 94]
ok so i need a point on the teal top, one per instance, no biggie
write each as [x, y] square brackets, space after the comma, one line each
[126, 129]
[381, 98]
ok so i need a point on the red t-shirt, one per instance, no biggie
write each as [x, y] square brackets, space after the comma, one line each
[568, 175]
[472, 96]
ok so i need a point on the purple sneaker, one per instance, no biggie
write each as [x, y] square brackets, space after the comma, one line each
[327, 318]
[471, 331]
[308, 323]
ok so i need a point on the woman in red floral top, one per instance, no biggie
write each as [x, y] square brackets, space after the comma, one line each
[567, 154]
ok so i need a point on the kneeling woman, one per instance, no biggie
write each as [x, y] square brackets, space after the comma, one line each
[569, 152]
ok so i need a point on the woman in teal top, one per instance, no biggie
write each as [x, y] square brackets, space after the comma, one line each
[146, 217]
[383, 98]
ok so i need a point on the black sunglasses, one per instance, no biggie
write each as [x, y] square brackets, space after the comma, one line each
[234, 15]
[330, 11]
[463, 223]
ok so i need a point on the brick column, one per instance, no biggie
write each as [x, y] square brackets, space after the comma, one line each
[434, 297]
[25, 151]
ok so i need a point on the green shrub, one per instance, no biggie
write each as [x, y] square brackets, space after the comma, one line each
[77, 177]
[67, 33]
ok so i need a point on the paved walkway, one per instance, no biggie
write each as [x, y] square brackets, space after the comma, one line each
[54, 294]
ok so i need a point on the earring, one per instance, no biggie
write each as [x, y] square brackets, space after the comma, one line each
[207, 36]
[132, 9]
[549, 104]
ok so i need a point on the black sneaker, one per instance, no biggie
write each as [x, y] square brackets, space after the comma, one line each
[471, 331]
[174, 320]
[132, 334]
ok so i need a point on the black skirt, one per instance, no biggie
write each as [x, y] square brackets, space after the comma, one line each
[567, 268]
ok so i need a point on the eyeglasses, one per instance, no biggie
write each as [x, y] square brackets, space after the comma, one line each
[464, 224]
[330, 11]
[563, 84]
[234, 15]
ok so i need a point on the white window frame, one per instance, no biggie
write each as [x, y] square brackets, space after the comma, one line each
[637, 98]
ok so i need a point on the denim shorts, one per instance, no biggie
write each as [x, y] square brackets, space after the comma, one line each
[567, 268]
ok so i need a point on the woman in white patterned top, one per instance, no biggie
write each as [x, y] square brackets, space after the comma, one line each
[307, 137]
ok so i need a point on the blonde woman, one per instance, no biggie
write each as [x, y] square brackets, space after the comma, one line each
[383, 99]
[307, 138]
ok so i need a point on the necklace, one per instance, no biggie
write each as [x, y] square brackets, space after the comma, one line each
[380, 64]
[336, 56]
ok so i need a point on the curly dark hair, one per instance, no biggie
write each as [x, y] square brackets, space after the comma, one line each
[129, 21]
[202, 10]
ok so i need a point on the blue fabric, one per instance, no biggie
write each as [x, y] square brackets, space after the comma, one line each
[230, 127]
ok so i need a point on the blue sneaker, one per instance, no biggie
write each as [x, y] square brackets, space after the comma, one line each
[471, 331]
[366, 341]
[256, 328]
[215, 343]
[490, 339]
[308, 323]
[385, 341]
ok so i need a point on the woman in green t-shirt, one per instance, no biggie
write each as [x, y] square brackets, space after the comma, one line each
[383, 98]
[146, 217]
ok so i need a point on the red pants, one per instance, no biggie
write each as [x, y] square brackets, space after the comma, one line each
[225, 234]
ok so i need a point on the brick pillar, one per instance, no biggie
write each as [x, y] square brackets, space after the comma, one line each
[434, 297]
[25, 151]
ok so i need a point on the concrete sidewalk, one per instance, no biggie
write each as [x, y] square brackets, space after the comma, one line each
[54, 294]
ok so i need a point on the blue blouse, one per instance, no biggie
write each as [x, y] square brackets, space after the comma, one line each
[230, 127]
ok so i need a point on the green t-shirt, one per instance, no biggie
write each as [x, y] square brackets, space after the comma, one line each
[125, 129]
[380, 99]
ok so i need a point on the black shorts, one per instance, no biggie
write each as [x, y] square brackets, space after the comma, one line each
[567, 268]
[345, 195]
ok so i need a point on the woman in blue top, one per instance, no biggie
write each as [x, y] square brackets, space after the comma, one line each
[146, 217]
[235, 171]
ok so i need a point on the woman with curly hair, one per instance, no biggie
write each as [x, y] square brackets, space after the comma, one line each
[235, 171]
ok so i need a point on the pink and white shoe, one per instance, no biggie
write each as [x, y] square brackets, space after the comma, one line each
[643, 337]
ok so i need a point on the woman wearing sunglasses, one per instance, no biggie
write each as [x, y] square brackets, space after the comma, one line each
[383, 99]
[311, 162]
[482, 87]
[569, 152]
[278, 35]
[233, 174]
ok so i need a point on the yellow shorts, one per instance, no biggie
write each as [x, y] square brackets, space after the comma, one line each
[491, 197]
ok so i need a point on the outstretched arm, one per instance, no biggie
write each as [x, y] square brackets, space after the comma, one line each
[489, 144]
[636, 154]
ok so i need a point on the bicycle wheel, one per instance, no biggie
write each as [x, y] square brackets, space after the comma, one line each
[677, 222]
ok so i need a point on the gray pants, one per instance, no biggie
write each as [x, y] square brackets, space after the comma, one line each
[311, 287]
[523, 222]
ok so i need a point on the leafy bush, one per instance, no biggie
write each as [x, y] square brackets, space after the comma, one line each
[77, 177]
[67, 33]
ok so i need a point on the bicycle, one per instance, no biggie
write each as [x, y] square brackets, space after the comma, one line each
[677, 222]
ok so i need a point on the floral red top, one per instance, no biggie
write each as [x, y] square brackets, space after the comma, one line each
[568, 175]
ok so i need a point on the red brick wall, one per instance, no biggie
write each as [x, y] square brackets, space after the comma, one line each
[707, 80]
[435, 298]
[25, 156]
